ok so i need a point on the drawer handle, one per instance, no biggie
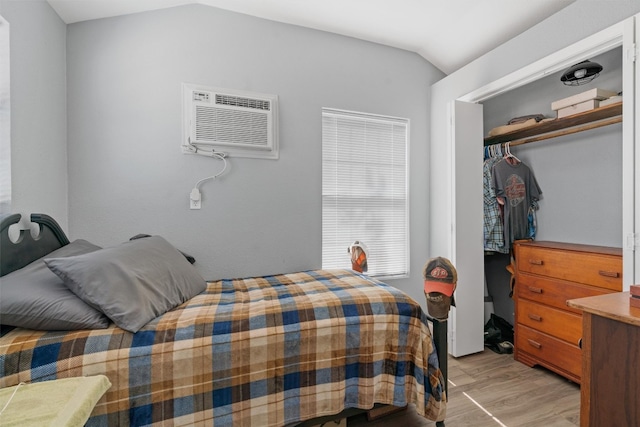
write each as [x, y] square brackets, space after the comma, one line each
[535, 344]
[535, 317]
[604, 273]
[535, 261]
[535, 290]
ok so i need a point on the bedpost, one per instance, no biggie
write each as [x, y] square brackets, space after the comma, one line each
[440, 338]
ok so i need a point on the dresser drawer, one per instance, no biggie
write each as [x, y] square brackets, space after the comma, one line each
[554, 292]
[589, 268]
[558, 323]
[549, 352]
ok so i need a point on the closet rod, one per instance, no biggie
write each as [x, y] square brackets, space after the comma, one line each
[569, 131]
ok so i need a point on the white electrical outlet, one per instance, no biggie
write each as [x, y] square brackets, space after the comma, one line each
[195, 201]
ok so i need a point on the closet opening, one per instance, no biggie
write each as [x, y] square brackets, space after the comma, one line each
[587, 178]
[580, 174]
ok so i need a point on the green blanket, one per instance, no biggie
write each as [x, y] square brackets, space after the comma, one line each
[63, 402]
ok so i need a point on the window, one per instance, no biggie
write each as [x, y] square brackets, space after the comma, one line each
[365, 190]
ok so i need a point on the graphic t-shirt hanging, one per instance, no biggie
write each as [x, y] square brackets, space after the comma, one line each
[518, 187]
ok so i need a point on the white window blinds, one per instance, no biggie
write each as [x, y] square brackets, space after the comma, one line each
[365, 190]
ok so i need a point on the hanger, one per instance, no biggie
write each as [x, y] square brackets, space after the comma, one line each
[509, 156]
[493, 151]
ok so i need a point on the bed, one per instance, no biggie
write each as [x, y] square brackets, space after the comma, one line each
[262, 351]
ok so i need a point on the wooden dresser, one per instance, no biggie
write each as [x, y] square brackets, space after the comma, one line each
[547, 330]
[610, 359]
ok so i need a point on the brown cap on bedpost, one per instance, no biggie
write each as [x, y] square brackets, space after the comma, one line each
[440, 281]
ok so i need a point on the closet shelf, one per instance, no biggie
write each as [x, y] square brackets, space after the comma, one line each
[580, 122]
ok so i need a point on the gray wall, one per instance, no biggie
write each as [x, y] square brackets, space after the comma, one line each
[126, 171]
[38, 109]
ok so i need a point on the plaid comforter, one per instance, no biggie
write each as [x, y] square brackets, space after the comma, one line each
[265, 351]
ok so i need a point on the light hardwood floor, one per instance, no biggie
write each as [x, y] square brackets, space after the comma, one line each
[512, 395]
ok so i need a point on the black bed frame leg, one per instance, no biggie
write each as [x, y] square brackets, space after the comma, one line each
[440, 338]
[440, 328]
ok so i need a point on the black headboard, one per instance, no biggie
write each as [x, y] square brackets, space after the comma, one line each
[26, 249]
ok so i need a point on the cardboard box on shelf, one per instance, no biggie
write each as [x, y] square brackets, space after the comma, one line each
[591, 94]
[612, 100]
[578, 108]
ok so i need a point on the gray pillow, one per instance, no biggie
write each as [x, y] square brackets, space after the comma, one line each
[35, 298]
[132, 283]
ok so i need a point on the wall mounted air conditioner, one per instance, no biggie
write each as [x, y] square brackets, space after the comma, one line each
[240, 124]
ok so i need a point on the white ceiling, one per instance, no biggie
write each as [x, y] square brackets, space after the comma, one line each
[447, 33]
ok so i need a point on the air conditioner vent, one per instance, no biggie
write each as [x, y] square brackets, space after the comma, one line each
[237, 123]
[231, 126]
[236, 101]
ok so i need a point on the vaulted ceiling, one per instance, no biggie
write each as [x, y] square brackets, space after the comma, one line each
[447, 33]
